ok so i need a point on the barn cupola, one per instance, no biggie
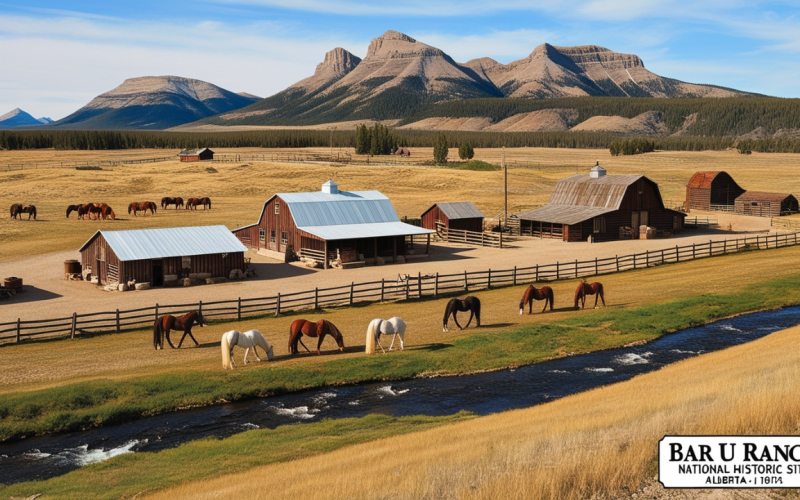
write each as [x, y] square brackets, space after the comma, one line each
[330, 187]
[597, 171]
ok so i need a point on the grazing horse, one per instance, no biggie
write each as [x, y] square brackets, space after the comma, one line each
[470, 303]
[167, 201]
[191, 203]
[73, 208]
[164, 324]
[83, 210]
[585, 289]
[107, 212]
[144, 206]
[378, 327]
[15, 208]
[19, 209]
[95, 210]
[206, 202]
[249, 340]
[532, 293]
[319, 329]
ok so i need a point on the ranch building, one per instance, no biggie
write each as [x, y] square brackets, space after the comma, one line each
[196, 154]
[605, 207]
[147, 255]
[760, 204]
[462, 215]
[712, 191]
[355, 228]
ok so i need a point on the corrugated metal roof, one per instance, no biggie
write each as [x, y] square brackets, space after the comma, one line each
[368, 230]
[564, 214]
[459, 210]
[192, 152]
[141, 244]
[582, 190]
[763, 196]
[353, 207]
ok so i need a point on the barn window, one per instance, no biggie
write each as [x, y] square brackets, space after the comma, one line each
[272, 236]
[261, 234]
[600, 225]
[284, 237]
[186, 262]
[675, 223]
[277, 208]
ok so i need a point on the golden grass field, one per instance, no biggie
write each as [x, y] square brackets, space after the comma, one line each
[598, 444]
[238, 190]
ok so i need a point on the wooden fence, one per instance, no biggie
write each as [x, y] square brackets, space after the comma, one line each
[698, 222]
[483, 239]
[414, 287]
[75, 164]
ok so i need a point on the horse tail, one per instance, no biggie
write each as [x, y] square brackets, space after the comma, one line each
[112, 216]
[370, 342]
[33, 208]
[225, 345]
[447, 312]
[158, 330]
[525, 298]
[550, 297]
[130, 208]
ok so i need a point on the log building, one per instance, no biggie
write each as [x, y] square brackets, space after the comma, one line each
[462, 215]
[712, 191]
[760, 204]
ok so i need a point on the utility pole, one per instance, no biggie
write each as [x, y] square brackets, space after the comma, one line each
[505, 188]
[331, 143]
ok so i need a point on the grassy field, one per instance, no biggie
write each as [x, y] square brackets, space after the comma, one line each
[126, 379]
[238, 190]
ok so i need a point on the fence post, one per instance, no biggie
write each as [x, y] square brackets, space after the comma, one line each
[558, 271]
[710, 247]
[408, 286]
[647, 258]
[724, 247]
[352, 284]
[514, 276]
[596, 272]
[278, 304]
[239, 309]
[693, 251]
[74, 324]
[501, 239]
[616, 257]
[118, 321]
[576, 268]
[316, 297]
[156, 312]
[677, 254]
[634, 260]
[536, 277]
[419, 285]
[382, 289]
[18, 329]
[436, 285]
[200, 307]
[466, 284]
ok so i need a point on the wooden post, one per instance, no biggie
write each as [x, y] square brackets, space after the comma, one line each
[576, 268]
[118, 321]
[278, 304]
[408, 286]
[325, 256]
[200, 307]
[647, 258]
[489, 279]
[617, 257]
[156, 312]
[724, 247]
[501, 238]
[239, 309]
[419, 285]
[634, 260]
[74, 324]
[536, 276]
[316, 297]
[514, 276]
[466, 285]
[693, 251]
[596, 272]
[482, 236]
[427, 245]
[710, 247]
[677, 254]
[18, 329]
[662, 255]
[352, 284]
[382, 289]
[436, 285]
[558, 271]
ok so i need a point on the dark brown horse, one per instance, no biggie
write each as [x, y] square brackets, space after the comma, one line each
[83, 210]
[469, 303]
[95, 210]
[206, 202]
[164, 324]
[143, 206]
[191, 203]
[107, 212]
[19, 209]
[167, 201]
[585, 289]
[532, 293]
[319, 329]
[73, 208]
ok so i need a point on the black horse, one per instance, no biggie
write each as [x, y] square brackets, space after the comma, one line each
[470, 303]
[164, 324]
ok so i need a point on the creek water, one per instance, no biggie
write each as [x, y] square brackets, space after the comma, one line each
[484, 393]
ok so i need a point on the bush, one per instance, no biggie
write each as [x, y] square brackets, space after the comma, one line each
[440, 150]
[465, 151]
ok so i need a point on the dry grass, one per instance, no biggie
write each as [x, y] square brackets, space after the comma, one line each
[130, 354]
[239, 189]
[603, 442]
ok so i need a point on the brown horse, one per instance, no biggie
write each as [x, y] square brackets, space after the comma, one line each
[206, 202]
[164, 324]
[191, 203]
[585, 289]
[532, 293]
[469, 303]
[73, 208]
[319, 329]
[19, 209]
[107, 212]
[167, 201]
[83, 210]
[143, 206]
[95, 210]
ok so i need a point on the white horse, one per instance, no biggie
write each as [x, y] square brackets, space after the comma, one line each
[248, 340]
[378, 327]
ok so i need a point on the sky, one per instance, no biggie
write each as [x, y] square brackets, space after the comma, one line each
[57, 55]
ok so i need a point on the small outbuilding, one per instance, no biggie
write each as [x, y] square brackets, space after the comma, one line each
[712, 191]
[761, 204]
[196, 154]
[147, 255]
[461, 215]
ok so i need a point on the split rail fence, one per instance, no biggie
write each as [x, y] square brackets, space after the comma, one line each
[413, 287]
[77, 164]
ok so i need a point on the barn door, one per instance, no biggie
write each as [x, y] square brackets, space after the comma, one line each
[635, 224]
[158, 272]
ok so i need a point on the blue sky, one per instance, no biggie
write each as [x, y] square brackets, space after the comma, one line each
[58, 55]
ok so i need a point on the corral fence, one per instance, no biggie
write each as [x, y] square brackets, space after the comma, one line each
[7, 167]
[482, 239]
[404, 288]
[701, 222]
[334, 157]
[785, 223]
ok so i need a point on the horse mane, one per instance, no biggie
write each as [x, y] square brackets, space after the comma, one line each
[331, 326]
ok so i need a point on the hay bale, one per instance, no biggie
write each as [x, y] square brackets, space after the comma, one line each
[122, 287]
[142, 286]
[214, 281]
[379, 261]
[192, 282]
[401, 259]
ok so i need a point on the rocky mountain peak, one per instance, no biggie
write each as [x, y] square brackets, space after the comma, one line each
[339, 61]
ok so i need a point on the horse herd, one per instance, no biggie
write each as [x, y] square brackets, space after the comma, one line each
[97, 211]
[19, 209]
[252, 339]
[191, 203]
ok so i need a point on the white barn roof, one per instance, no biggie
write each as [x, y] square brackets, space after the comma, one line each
[142, 244]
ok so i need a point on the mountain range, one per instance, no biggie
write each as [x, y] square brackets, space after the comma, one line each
[19, 118]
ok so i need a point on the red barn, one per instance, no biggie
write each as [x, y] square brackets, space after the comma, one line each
[712, 191]
[196, 154]
[462, 215]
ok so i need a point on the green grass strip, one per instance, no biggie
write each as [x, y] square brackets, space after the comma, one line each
[128, 475]
[101, 402]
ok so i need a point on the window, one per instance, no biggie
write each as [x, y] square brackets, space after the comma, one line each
[675, 222]
[261, 234]
[272, 236]
[600, 225]
[277, 207]
[284, 237]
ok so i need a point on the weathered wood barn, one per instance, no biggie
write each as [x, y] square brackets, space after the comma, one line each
[461, 215]
[146, 255]
[605, 207]
[712, 191]
[333, 225]
[760, 204]
[196, 154]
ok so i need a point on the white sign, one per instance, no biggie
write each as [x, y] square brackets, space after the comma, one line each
[729, 461]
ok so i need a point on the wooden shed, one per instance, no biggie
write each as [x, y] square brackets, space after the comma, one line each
[601, 206]
[461, 215]
[196, 154]
[761, 204]
[712, 191]
[147, 255]
[332, 225]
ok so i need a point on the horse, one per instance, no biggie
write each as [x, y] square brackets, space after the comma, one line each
[378, 327]
[585, 289]
[167, 201]
[95, 210]
[15, 210]
[107, 212]
[73, 208]
[144, 206]
[470, 303]
[206, 202]
[319, 329]
[191, 203]
[532, 293]
[249, 340]
[164, 324]
[19, 209]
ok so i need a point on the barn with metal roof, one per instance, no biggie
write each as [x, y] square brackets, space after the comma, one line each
[196, 154]
[605, 207]
[712, 191]
[462, 215]
[761, 204]
[147, 255]
[352, 227]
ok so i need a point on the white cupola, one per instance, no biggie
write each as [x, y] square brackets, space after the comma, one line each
[597, 171]
[330, 187]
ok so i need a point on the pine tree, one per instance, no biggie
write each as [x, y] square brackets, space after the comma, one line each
[363, 140]
[465, 151]
[440, 149]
